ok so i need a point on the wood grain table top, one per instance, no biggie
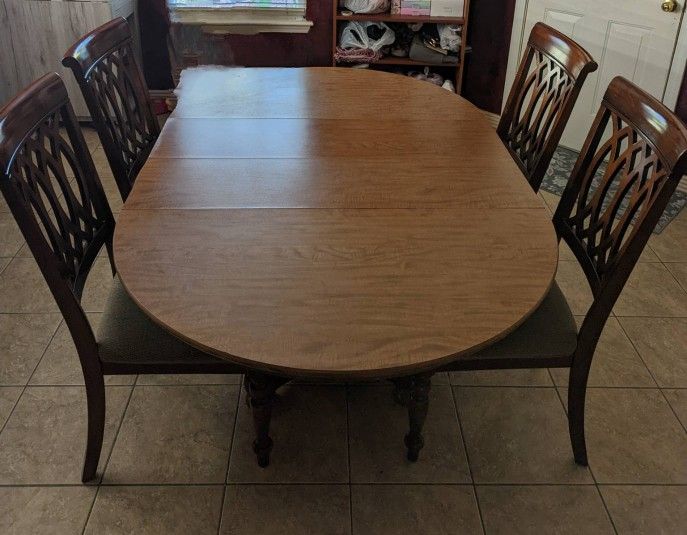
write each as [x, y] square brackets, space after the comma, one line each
[332, 222]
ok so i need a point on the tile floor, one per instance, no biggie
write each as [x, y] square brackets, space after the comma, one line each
[177, 458]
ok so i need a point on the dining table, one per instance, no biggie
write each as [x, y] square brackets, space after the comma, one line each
[332, 223]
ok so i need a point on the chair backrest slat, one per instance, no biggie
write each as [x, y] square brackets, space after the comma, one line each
[549, 80]
[631, 164]
[50, 182]
[113, 87]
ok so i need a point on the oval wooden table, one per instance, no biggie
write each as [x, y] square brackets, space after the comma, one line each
[332, 223]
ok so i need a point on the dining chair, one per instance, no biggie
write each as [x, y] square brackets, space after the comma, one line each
[630, 165]
[549, 80]
[53, 191]
[114, 89]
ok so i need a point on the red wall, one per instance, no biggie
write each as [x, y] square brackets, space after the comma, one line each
[489, 35]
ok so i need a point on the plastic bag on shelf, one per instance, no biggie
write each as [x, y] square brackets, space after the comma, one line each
[355, 35]
[367, 6]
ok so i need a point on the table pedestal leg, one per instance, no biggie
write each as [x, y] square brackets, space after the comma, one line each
[402, 388]
[260, 394]
[418, 403]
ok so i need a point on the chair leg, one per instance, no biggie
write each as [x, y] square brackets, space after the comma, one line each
[577, 392]
[95, 398]
[260, 391]
[418, 404]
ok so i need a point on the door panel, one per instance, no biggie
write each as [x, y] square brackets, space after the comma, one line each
[632, 38]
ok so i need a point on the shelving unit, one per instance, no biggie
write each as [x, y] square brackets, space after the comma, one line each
[389, 62]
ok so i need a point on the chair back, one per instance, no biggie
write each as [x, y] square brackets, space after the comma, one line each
[549, 80]
[632, 161]
[51, 187]
[113, 87]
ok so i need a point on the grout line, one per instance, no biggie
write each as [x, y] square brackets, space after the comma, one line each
[608, 513]
[673, 275]
[231, 451]
[339, 484]
[467, 455]
[589, 467]
[25, 386]
[660, 389]
[119, 427]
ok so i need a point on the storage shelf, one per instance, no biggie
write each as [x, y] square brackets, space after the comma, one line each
[388, 17]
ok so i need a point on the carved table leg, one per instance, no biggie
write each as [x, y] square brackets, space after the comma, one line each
[418, 402]
[402, 388]
[260, 393]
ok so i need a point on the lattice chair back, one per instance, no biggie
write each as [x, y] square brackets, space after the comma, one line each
[630, 166]
[114, 89]
[549, 80]
[51, 187]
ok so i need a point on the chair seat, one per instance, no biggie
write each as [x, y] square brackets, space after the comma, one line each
[128, 336]
[550, 331]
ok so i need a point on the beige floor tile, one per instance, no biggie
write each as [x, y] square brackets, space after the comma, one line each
[4, 262]
[647, 508]
[572, 281]
[45, 438]
[286, 509]
[91, 137]
[11, 239]
[8, 398]
[308, 428]
[174, 434]
[23, 339]
[98, 286]
[377, 426]
[538, 377]
[556, 509]
[60, 364]
[23, 288]
[652, 291]
[634, 437]
[517, 435]
[567, 255]
[417, 509]
[155, 510]
[662, 344]
[679, 271]
[669, 245]
[551, 199]
[44, 510]
[111, 189]
[678, 401]
[616, 363]
[189, 379]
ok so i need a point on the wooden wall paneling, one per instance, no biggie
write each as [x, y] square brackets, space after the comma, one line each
[9, 82]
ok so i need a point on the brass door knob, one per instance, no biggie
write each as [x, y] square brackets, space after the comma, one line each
[669, 6]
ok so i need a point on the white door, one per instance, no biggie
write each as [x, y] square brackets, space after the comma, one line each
[632, 38]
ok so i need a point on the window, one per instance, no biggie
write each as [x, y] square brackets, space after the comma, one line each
[242, 16]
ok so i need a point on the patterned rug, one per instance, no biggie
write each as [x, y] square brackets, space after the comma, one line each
[561, 167]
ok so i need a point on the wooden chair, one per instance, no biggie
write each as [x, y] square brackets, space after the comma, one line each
[66, 221]
[113, 87]
[549, 80]
[637, 152]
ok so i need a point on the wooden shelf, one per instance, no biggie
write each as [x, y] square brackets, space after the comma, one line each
[388, 17]
[452, 70]
[391, 60]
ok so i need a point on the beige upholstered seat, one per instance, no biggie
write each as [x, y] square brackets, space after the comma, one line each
[549, 332]
[128, 335]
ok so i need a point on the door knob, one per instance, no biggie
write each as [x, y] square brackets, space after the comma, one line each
[669, 6]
